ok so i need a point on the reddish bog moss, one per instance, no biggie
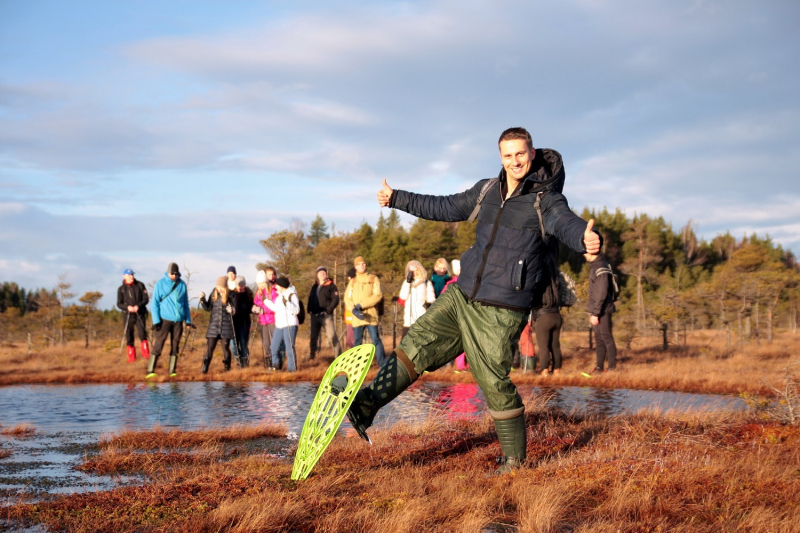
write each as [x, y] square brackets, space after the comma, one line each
[628, 473]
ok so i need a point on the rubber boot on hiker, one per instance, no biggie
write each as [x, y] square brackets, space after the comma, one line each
[131, 354]
[511, 433]
[151, 366]
[173, 366]
[145, 346]
[395, 376]
[206, 364]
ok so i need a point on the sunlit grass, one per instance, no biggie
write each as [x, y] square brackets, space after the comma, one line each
[644, 472]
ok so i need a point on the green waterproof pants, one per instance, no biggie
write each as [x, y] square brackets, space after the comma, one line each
[453, 325]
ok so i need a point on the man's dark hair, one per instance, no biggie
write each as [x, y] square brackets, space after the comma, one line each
[516, 133]
[268, 268]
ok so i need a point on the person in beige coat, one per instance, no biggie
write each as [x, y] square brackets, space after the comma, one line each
[361, 297]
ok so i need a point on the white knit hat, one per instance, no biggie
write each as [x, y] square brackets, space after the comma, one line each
[261, 277]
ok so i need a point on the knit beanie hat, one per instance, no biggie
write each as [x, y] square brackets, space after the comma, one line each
[261, 277]
[358, 260]
[222, 281]
[240, 281]
[282, 282]
[351, 272]
[322, 269]
[232, 269]
[173, 269]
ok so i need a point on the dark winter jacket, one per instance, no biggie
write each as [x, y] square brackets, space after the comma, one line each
[243, 305]
[328, 299]
[133, 294]
[219, 323]
[601, 297]
[506, 263]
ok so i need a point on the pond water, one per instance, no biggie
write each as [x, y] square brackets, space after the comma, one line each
[69, 419]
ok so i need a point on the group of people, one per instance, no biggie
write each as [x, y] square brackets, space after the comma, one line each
[231, 304]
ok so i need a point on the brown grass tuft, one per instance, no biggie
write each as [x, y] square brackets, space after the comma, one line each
[159, 437]
[20, 430]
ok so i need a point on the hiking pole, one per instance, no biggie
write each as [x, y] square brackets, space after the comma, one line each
[394, 323]
[235, 342]
[124, 334]
[188, 335]
[252, 336]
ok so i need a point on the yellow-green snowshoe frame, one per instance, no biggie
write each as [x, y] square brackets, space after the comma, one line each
[328, 409]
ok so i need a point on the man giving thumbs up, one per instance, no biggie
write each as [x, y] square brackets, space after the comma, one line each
[501, 272]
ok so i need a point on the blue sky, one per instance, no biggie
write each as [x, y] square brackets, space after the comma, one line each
[137, 133]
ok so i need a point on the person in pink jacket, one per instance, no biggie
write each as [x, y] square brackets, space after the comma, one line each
[266, 318]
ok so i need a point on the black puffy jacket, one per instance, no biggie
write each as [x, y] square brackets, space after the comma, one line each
[133, 294]
[328, 299]
[220, 323]
[601, 297]
[505, 264]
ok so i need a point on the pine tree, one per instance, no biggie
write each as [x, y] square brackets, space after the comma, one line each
[318, 231]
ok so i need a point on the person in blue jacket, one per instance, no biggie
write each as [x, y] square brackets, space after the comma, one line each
[170, 309]
[484, 311]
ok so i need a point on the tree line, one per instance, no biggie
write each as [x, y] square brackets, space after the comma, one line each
[671, 280]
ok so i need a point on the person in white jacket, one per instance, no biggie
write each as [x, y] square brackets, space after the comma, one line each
[416, 294]
[286, 308]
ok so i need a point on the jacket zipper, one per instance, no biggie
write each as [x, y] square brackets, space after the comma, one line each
[492, 236]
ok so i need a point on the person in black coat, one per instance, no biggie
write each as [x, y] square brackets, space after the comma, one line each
[220, 323]
[323, 299]
[243, 301]
[601, 308]
[132, 299]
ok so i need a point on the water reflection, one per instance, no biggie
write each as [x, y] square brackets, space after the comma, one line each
[69, 417]
[109, 408]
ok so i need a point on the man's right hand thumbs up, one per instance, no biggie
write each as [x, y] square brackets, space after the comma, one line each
[385, 194]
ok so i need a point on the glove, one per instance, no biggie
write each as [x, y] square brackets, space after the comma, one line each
[202, 295]
[157, 327]
[190, 325]
[229, 309]
[256, 310]
[358, 312]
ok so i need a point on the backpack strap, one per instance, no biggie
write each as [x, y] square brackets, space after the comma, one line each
[537, 204]
[485, 189]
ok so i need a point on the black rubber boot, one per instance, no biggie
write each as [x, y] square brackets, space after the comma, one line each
[392, 379]
[206, 364]
[513, 440]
